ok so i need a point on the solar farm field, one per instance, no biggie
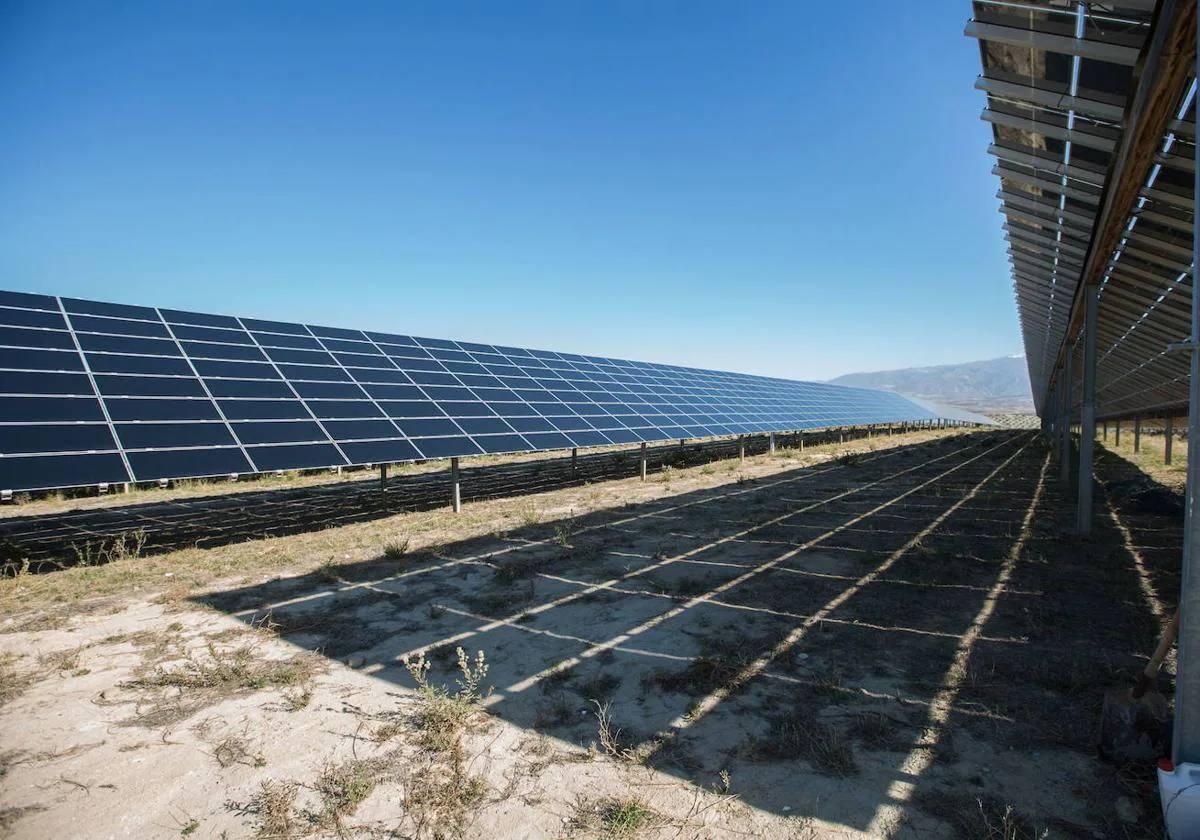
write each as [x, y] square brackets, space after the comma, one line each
[888, 637]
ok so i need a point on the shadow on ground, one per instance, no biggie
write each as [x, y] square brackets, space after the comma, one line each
[53, 541]
[879, 641]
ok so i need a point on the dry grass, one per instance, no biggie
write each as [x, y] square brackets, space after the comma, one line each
[793, 736]
[975, 818]
[274, 811]
[179, 690]
[612, 817]
[395, 549]
[13, 681]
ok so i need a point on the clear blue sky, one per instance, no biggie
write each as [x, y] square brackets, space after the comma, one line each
[795, 188]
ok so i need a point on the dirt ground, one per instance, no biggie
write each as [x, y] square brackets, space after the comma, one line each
[893, 638]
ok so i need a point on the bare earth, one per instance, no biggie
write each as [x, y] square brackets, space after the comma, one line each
[893, 638]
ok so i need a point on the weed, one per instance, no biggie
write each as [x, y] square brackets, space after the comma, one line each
[443, 716]
[12, 681]
[564, 533]
[343, 787]
[274, 810]
[228, 671]
[612, 817]
[63, 661]
[395, 549]
[793, 736]
[439, 796]
[295, 700]
[978, 818]
[610, 738]
[235, 750]
[529, 516]
[127, 545]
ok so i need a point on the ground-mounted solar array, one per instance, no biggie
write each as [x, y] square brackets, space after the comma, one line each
[95, 393]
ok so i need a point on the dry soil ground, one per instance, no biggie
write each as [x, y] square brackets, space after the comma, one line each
[896, 638]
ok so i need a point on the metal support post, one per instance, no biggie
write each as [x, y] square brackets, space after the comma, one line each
[1087, 414]
[455, 490]
[574, 461]
[1137, 434]
[642, 460]
[1117, 427]
[1186, 743]
[771, 443]
[1106, 430]
[1168, 439]
[382, 476]
[1065, 444]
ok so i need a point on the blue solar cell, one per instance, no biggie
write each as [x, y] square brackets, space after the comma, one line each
[344, 409]
[73, 437]
[49, 409]
[132, 408]
[199, 319]
[427, 428]
[187, 463]
[41, 382]
[295, 457]
[27, 300]
[264, 409]
[502, 443]
[360, 429]
[46, 471]
[116, 385]
[114, 326]
[300, 431]
[380, 451]
[447, 447]
[173, 435]
[32, 318]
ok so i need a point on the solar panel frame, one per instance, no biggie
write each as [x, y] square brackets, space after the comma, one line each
[149, 393]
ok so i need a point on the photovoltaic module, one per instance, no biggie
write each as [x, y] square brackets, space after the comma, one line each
[95, 393]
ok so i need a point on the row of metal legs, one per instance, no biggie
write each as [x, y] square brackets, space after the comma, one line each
[456, 482]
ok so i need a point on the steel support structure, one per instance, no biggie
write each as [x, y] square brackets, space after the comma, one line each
[1087, 414]
[1137, 434]
[1168, 439]
[1065, 431]
[642, 461]
[455, 488]
[1185, 747]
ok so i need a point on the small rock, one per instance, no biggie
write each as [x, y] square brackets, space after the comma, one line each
[1127, 811]
[800, 657]
[356, 661]
[786, 808]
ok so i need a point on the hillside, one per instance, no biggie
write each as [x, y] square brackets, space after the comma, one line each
[992, 385]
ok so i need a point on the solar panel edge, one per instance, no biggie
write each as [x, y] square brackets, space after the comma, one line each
[590, 400]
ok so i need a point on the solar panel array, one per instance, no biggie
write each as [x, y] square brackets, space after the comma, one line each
[95, 393]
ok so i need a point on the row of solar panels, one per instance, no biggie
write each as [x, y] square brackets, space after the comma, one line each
[95, 392]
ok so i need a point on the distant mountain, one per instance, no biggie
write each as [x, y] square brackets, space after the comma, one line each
[993, 385]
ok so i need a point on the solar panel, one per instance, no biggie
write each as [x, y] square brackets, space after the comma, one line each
[95, 393]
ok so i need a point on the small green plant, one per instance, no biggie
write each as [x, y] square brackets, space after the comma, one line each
[443, 716]
[613, 817]
[343, 787]
[564, 533]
